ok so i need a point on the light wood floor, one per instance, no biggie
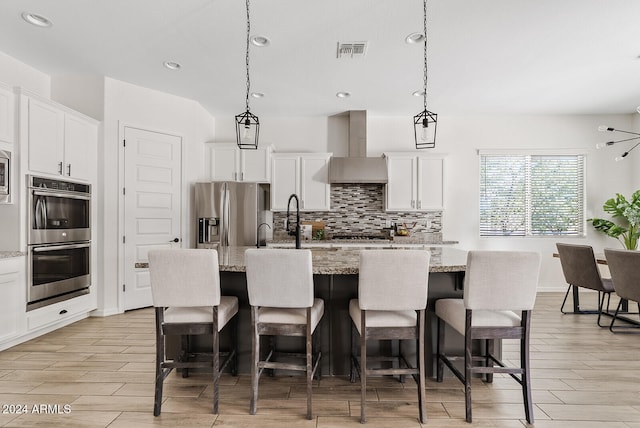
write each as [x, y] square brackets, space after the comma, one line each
[102, 369]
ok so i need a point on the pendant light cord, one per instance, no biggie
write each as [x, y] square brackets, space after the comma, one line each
[425, 52]
[247, 58]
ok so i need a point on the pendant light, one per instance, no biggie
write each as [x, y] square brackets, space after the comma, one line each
[424, 123]
[605, 128]
[247, 124]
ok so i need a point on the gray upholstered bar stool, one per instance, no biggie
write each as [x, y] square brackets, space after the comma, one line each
[185, 287]
[623, 265]
[581, 270]
[499, 294]
[391, 303]
[281, 295]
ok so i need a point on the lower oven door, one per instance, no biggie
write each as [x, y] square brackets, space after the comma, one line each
[57, 272]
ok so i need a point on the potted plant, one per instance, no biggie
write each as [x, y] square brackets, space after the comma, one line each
[628, 214]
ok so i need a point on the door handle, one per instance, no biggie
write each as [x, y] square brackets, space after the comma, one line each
[175, 240]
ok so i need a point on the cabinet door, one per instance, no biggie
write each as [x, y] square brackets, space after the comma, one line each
[80, 140]
[6, 115]
[255, 165]
[285, 180]
[430, 183]
[401, 187]
[314, 182]
[46, 138]
[224, 162]
[12, 287]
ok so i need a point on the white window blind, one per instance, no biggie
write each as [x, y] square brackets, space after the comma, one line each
[531, 195]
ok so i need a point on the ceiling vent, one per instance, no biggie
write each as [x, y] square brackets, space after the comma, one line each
[352, 49]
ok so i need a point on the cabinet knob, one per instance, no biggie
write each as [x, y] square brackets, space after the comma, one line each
[69, 170]
[60, 168]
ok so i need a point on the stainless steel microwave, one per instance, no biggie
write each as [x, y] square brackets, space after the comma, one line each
[5, 176]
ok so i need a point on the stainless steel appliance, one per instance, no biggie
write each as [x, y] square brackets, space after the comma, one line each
[228, 213]
[5, 176]
[59, 240]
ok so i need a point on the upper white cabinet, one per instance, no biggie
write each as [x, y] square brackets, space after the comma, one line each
[60, 142]
[229, 163]
[6, 114]
[306, 175]
[416, 182]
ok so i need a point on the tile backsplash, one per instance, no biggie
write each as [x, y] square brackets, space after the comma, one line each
[359, 208]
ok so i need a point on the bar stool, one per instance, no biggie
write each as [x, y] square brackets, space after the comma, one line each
[185, 288]
[497, 283]
[392, 297]
[281, 295]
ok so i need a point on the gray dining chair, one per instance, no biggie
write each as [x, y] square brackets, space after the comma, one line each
[185, 289]
[580, 270]
[391, 304]
[625, 273]
[499, 294]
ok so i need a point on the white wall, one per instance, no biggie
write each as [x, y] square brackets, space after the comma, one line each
[127, 104]
[16, 73]
[460, 137]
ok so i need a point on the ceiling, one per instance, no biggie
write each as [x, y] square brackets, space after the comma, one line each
[485, 56]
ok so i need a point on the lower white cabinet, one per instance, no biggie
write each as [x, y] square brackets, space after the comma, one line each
[306, 175]
[61, 312]
[12, 302]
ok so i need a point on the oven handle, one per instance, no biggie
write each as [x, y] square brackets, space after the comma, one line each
[60, 247]
[62, 195]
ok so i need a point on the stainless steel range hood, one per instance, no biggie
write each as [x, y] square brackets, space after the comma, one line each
[358, 168]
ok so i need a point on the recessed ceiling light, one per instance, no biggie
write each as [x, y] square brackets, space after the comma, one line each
[418, 93]
[260, 41]
[343, 94]
[37, 20]
[172, 65]
[414, 38]
[257, 94]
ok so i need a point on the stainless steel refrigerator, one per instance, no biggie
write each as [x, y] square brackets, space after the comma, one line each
[229, 213]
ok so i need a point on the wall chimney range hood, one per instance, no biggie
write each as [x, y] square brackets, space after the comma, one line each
[357, 167]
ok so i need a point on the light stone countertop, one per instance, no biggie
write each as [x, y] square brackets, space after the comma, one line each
[342, 261]
[11, 254]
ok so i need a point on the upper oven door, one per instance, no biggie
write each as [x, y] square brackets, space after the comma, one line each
[57, 216]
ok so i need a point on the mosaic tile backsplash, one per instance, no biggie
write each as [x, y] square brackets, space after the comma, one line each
[359, 208]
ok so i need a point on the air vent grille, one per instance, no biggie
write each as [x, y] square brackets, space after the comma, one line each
[352, 49]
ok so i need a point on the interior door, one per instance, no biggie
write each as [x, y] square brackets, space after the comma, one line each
[152, 200]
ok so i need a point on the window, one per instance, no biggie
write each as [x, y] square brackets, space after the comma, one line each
[531, 195]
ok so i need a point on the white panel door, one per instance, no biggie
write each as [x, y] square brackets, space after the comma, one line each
[285, 179]
[315, 187]
[430, 183]
[46, 138]
[401, 188]
[151, 206]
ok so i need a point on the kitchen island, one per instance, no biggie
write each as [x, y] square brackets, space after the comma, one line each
[336, 281]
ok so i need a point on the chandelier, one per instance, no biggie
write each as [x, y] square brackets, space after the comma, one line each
[424, 123]
[247, 123]
[604, 128]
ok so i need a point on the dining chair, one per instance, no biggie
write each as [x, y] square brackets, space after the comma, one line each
[185, 289]
[391, 303]
[581, 270]
[623, 265]
[498, 298]
[281, 295]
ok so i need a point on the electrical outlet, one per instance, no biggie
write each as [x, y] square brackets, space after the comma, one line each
[387, 224]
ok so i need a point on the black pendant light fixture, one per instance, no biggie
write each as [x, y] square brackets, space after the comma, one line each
[605, 128]
[247, 123]
[424, 123]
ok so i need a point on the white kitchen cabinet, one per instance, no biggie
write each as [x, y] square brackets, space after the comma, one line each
[60, 142]
[12, 304]
[6, 114]
[306, 175]
[229, 163]
[416, 182]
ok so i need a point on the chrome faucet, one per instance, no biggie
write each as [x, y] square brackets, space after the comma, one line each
[295, 232]
[258, 233]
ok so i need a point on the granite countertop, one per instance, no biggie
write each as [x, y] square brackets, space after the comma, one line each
[342, 261]
[10, 254]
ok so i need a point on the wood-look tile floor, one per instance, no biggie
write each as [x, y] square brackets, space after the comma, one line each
[99, 373]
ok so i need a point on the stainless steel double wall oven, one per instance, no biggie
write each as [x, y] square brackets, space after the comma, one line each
[59, 240]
